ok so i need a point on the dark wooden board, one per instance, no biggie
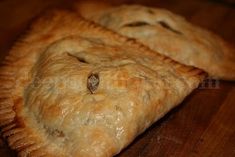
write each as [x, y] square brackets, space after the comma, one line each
[203, 125]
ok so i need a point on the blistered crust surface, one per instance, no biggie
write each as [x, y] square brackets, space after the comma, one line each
[171, 35]
[71, 88]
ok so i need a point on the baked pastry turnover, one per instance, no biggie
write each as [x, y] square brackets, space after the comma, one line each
[70, 88]
[168, 34]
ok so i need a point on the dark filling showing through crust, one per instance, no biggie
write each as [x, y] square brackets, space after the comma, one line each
[93, 81]
[80, 59]
[57, 133]
[150, 11]
[166, 26]
[162, 23]
[136, 24]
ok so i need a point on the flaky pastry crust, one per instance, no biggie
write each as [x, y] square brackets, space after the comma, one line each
[170, 35]
[72, 88]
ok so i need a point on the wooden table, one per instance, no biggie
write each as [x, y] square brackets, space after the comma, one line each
[203, 125]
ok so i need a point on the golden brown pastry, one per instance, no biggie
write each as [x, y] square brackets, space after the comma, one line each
[168, 34]
[70, 88]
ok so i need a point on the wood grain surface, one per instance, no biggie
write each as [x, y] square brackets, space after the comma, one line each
[203, 125]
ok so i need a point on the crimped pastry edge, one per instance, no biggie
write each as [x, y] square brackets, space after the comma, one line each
[23, 139]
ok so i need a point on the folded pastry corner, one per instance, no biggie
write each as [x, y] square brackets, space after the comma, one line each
[72, 88]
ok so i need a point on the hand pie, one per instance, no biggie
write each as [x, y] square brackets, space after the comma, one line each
[170, 35]
[70, 88]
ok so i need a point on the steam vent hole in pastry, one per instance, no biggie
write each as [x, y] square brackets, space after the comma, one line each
[93, 82]
[143, 23]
